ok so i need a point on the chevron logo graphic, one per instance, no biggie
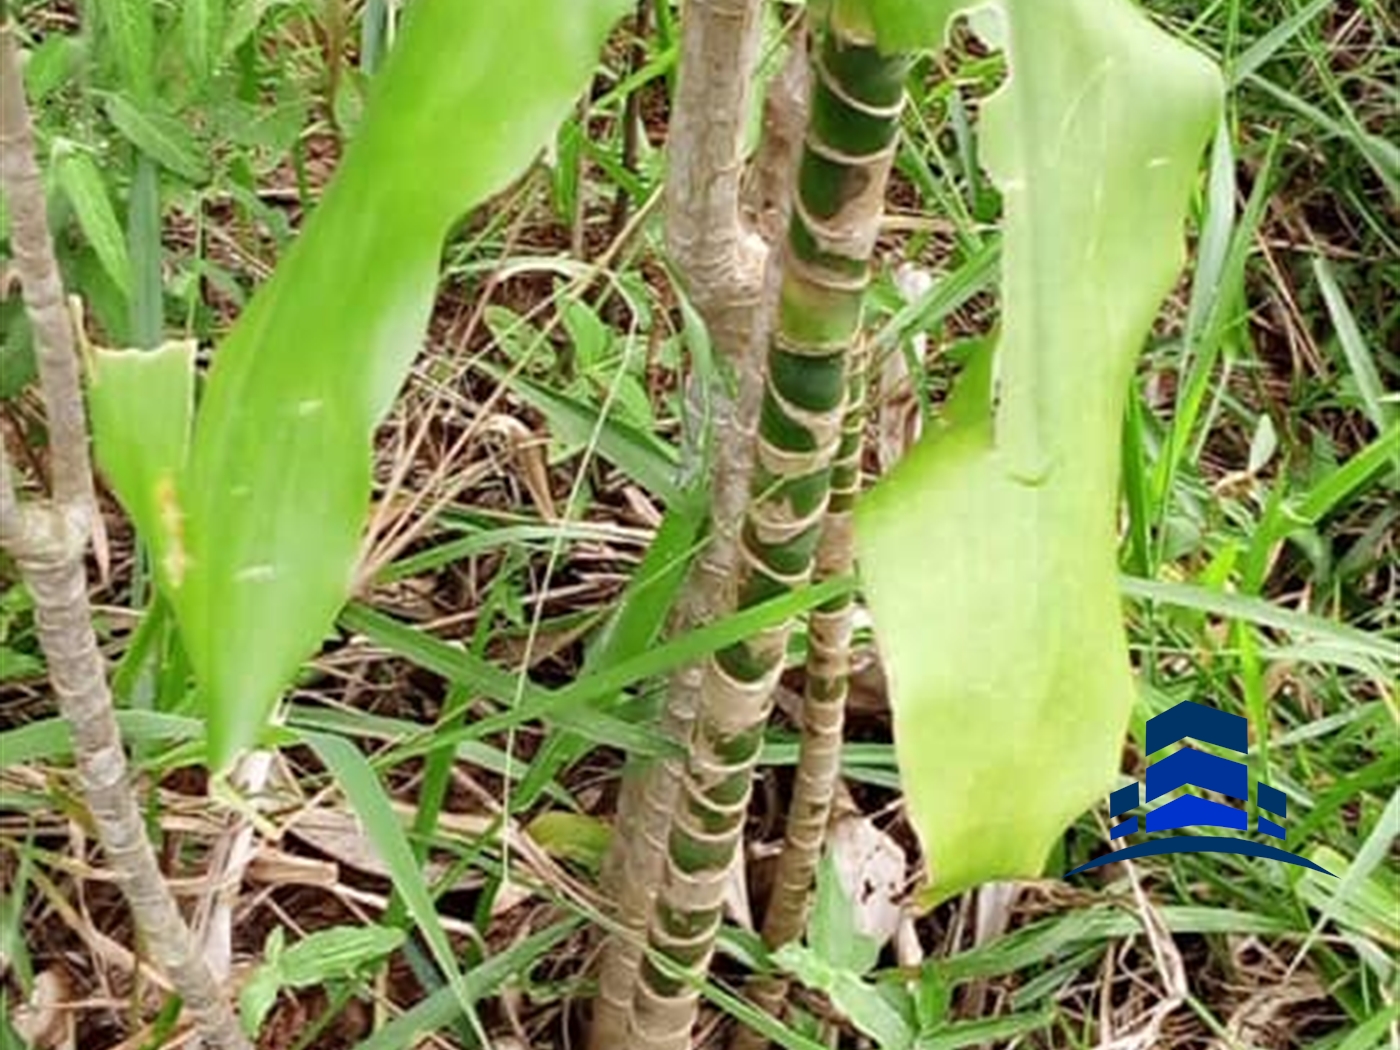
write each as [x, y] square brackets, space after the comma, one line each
[1188, 767]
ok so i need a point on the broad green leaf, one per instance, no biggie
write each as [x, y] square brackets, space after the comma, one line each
[142, 405]
[83, 186]
[159, 136]
[989, 555]
[277, 486]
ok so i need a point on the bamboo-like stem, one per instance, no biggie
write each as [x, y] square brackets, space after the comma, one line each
[721, 261]
[48, 540]
[823, 711]
[858, 94]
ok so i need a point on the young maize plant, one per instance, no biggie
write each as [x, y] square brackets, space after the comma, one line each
[857, 97]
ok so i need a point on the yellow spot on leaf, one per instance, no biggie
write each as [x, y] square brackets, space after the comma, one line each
[172, 524]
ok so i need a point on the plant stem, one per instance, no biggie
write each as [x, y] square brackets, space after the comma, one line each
[48, 540]
[632, 129]
[858, 94]
[721, 262]
[823, 711]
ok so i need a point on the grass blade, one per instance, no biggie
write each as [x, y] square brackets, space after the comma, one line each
[444, 1006]
[1263, 614]
[1374, 852]
[364, 792]
[1358, 354]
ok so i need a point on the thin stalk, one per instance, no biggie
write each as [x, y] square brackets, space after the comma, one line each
[858, 94]
[823, 711]
[632, 115]
[48, 540]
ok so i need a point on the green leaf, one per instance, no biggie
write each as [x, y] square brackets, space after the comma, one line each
[1372, 1033]
[989, 555]
[904, 25]
[464, 668]
[833, 932]
[367, 798]
[15, 664]
[572, 836]
[325, 955]
[17, 365]
[640, 615]
[131, 31]
[1352, 897]
[161, 137]
[1362, 645]
[1363, 906]
[643, 457]
[51, 64]
[83, 186]
[1359, 356]
[201, 30]
[142, 404]
[277, 486]
[147, 313]
[860, 1001]
[441, 1007]
[636, 624]
[567, 705]
[998, 1031]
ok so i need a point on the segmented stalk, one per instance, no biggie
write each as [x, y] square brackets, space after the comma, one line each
[857, 95]
[721, 261]
[823, 711]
